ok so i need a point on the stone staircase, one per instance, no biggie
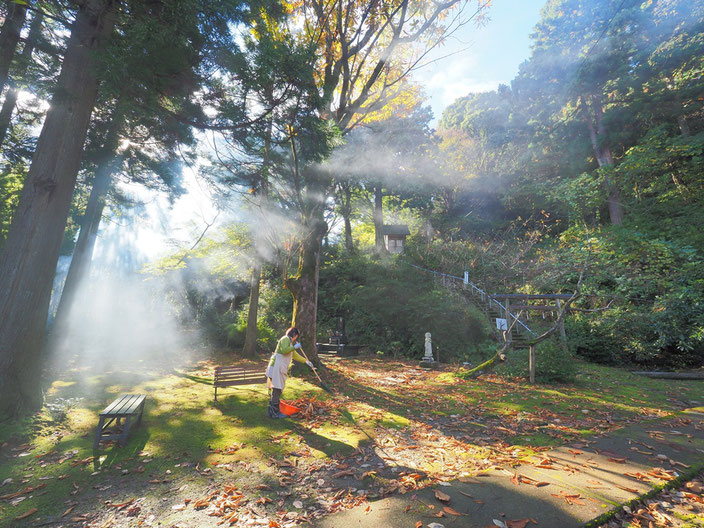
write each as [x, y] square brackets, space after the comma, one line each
[520, 333]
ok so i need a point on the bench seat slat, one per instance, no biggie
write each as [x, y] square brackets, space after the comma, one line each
[236, 372]
[251, 381]
[126, 404]
[234, 383]
[241, 380]
[115, 406]
[135, 404]
[241, 376]
[112, 406]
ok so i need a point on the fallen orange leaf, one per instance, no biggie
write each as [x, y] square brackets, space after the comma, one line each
[26, 514]
[120, 506]
[442, 497]
[629, 490]
[618, 460]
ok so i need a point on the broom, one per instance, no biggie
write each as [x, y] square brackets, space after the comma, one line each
[315, 371]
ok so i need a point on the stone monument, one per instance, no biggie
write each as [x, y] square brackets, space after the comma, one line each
[428, 360]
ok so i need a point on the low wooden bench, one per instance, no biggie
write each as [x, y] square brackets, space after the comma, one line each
[126, 411]
[233, 376]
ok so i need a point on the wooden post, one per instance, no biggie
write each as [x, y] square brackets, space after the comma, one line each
[563, 334]
[531, 362]
[508, 319]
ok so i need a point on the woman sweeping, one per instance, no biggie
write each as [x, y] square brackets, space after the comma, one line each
[279, 364]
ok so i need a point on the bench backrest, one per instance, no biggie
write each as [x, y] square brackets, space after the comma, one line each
[229, 376]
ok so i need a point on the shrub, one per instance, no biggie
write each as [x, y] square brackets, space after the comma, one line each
[390, 307]
[552, 363]
[587, 339]
[272, 319]
[275, 311]
[657, 315]
[217, 327]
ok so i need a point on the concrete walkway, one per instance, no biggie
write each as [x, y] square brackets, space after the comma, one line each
[562, 488]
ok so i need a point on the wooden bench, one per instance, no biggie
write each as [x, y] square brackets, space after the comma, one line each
[233, 376]
[123, 411]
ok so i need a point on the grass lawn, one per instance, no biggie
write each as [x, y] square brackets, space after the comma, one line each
[389, 428]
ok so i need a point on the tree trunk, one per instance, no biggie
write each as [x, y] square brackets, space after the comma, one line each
[8, 105]
[9, 37]
[79, 268]
[602, 152]
[250, 339]
[346, 213]
[684, 126]
[378, 220]
[304, 287]
[28, 260]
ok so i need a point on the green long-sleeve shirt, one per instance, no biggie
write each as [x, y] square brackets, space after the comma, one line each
[286, 348]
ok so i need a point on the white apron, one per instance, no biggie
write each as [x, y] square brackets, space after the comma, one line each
[278, 372]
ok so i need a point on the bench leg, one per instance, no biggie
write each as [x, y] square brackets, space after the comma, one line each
[216, 394]
[125, 431]
[141, 411]
[98, 433]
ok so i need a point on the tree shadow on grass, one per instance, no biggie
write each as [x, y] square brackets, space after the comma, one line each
[401, 405]
[329, 446]
[115, 454]
[251, 414]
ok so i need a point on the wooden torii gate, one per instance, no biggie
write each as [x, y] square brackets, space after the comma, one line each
[509, 302]
[505, 309]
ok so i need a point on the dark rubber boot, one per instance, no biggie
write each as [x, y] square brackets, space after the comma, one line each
[273, 411]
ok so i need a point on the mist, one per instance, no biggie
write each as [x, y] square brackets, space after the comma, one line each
[121, 319]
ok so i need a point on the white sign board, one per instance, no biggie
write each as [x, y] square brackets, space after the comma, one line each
[501, 324]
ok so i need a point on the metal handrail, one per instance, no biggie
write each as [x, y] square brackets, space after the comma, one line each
[480, 291]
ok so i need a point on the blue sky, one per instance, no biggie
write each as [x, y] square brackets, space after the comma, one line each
[494, 52]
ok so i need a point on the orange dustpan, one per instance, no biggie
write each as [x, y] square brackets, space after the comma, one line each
[287, 408]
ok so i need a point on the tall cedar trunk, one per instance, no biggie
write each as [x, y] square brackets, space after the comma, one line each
[10, 37]
[602, 152]
[304, 287]
[28, 260]
[346, 213]
[250, 337]
[79, 269]
[8, 105]
[378, 216]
